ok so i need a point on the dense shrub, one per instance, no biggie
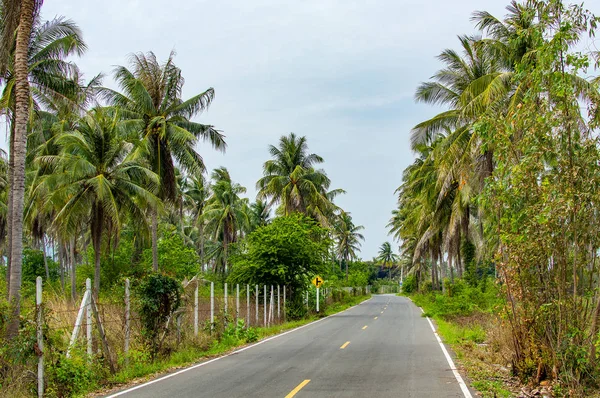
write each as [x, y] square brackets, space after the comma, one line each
[33, 266]
[460, 299]
[290, 251]
[409, 285]
[158, 297]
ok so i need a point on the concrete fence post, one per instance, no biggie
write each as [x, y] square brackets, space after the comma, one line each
[88, 320]
[307, 299]
[196, 309]
[284, 312]
[226, 303]
[265, 306]
[278, 304]
[127, 326]
[247, 305]
[272, 309]
[212, 306]
[256, 299]
[237, 304]
[40, 336]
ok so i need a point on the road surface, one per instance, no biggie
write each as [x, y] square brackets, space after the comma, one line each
[380, 348]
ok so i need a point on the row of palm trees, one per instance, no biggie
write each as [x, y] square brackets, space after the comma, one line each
[99, 159]
[438, 217]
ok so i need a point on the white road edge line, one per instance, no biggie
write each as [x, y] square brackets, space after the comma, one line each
[461, 382]
[226, 355]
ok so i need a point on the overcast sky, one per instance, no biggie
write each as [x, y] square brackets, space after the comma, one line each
[340, 72]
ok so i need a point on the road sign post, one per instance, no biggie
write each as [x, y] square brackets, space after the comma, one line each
[317, 299]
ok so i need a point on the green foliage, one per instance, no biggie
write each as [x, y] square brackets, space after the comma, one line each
[117, 264]
[409, 285]
[33, 266]
[468, 255]
[158, 296]
[238, 333]
[70, 376]
[290, 251]
[460, 299]
[175, 258]
[296, 307]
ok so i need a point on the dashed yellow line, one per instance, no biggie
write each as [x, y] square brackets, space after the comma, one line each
[344, 345]
[382, 312]
[364, 327]
[298, 388]
[376, 317]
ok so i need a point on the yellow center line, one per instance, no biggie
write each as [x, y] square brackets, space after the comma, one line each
[364, 327]
[382, 312]
[344, 345]
[295, 390]
[375, 317]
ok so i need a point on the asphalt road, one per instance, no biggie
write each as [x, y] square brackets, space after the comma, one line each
[389, 350]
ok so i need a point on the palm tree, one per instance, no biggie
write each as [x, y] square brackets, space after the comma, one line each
[96, 182]
[196, 195]
[226, 214]
[16, 25]
[160, 121]
[386, 256]
[259, 214]
[48, 126]
[291, 181]
[347, 237]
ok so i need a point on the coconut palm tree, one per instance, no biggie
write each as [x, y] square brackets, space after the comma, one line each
[259, 214]
[196, 195]
[95, 180]
[16, 25]
[226, 213]
[160, 122]
[51, 77]
[347, 238]
[291, 181]
[386, 256]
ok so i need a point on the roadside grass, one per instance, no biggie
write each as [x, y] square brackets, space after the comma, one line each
[466, 319]
[140, 369]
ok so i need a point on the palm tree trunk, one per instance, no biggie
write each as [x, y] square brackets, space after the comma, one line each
[11, 162]
[43, 249]
[225, 251]
[61, 265]
[346, 261]
[96, 226]
[181, 216]
[442, 273]
[451, 268]
[73, 279]
[20, 149]
[201, 231]
[154, 240]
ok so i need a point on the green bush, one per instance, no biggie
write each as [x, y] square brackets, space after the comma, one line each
[158, 297]
[70, 376]
[290, 251]
[409, 285]
[236, 334]
[460, 299]
[296, 308]
[33, 266]
[175, 258]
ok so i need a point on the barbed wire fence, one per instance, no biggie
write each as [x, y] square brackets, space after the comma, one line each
[110, 329]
